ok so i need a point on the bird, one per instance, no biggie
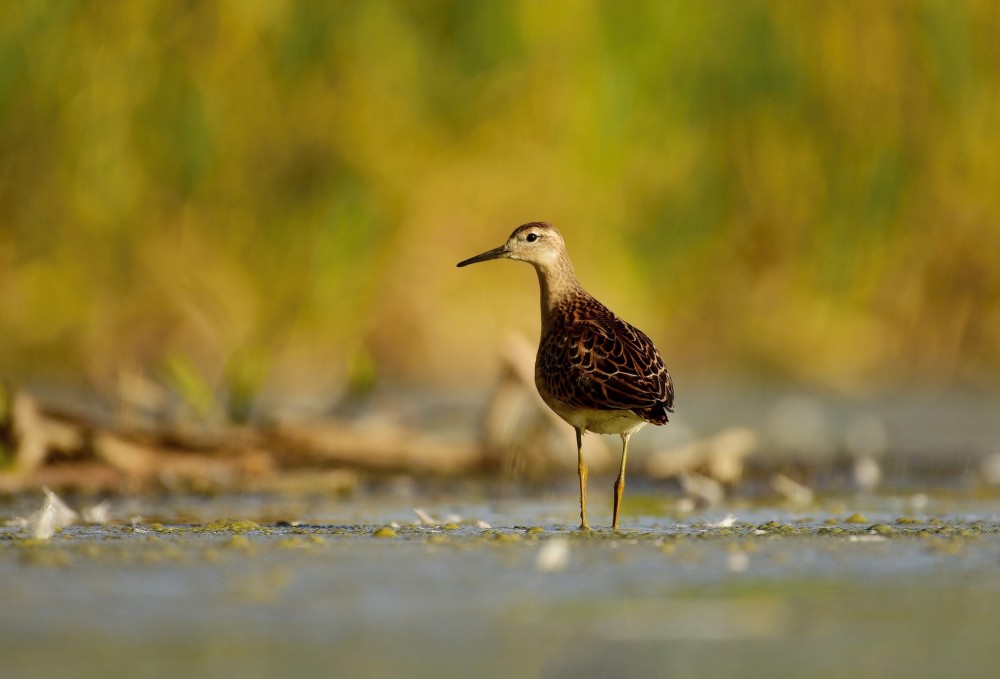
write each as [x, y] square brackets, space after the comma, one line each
[597, 372]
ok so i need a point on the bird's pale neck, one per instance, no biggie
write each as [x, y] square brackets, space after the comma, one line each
[557, 282]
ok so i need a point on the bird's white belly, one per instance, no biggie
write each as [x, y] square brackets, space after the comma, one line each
[597, 421]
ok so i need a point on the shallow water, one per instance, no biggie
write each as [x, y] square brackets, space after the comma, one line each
[841, 588]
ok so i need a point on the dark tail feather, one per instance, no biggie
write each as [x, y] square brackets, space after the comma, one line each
[656, 414]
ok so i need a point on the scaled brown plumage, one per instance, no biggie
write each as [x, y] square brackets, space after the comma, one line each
[592, 359]
[593, 369]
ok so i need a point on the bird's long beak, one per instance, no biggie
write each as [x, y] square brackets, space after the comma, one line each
[495, 253]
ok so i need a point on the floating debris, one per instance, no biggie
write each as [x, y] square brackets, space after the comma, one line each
[867, 538]
[553, 556]
[99, 513]
[53, 515]
[727, 522]
[42, 523]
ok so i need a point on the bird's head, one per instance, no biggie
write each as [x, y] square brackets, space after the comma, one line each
[537, 243]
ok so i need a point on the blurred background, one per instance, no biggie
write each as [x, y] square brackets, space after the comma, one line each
[219, 212]
[252, 199]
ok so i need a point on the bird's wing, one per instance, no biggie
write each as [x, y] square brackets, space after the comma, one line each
[607, 365]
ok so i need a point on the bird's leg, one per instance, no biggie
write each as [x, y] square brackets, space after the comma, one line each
[620, 482]
[582, 469]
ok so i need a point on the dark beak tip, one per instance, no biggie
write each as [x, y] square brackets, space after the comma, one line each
[496, 253]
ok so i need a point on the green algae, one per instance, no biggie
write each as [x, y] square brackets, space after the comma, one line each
[882, 529]
[301, 542]
[830, 530]
[228, 541]
[776, 528]
[46, 557]
[239, 542]
[234, 526]
[507, 537]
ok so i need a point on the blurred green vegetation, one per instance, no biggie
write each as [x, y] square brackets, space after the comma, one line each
[249, 195]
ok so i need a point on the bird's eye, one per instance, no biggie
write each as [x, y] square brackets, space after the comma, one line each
[531, 237]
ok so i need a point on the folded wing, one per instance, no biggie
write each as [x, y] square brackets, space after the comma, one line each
[607, 364]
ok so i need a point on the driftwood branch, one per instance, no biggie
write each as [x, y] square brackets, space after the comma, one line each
[60, 450]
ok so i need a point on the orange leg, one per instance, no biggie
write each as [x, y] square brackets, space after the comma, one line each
[582, 469]
[620, 482]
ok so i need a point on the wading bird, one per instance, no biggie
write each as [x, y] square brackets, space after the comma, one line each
[596, 371]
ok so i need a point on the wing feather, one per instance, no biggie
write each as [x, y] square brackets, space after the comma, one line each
[603, 363]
